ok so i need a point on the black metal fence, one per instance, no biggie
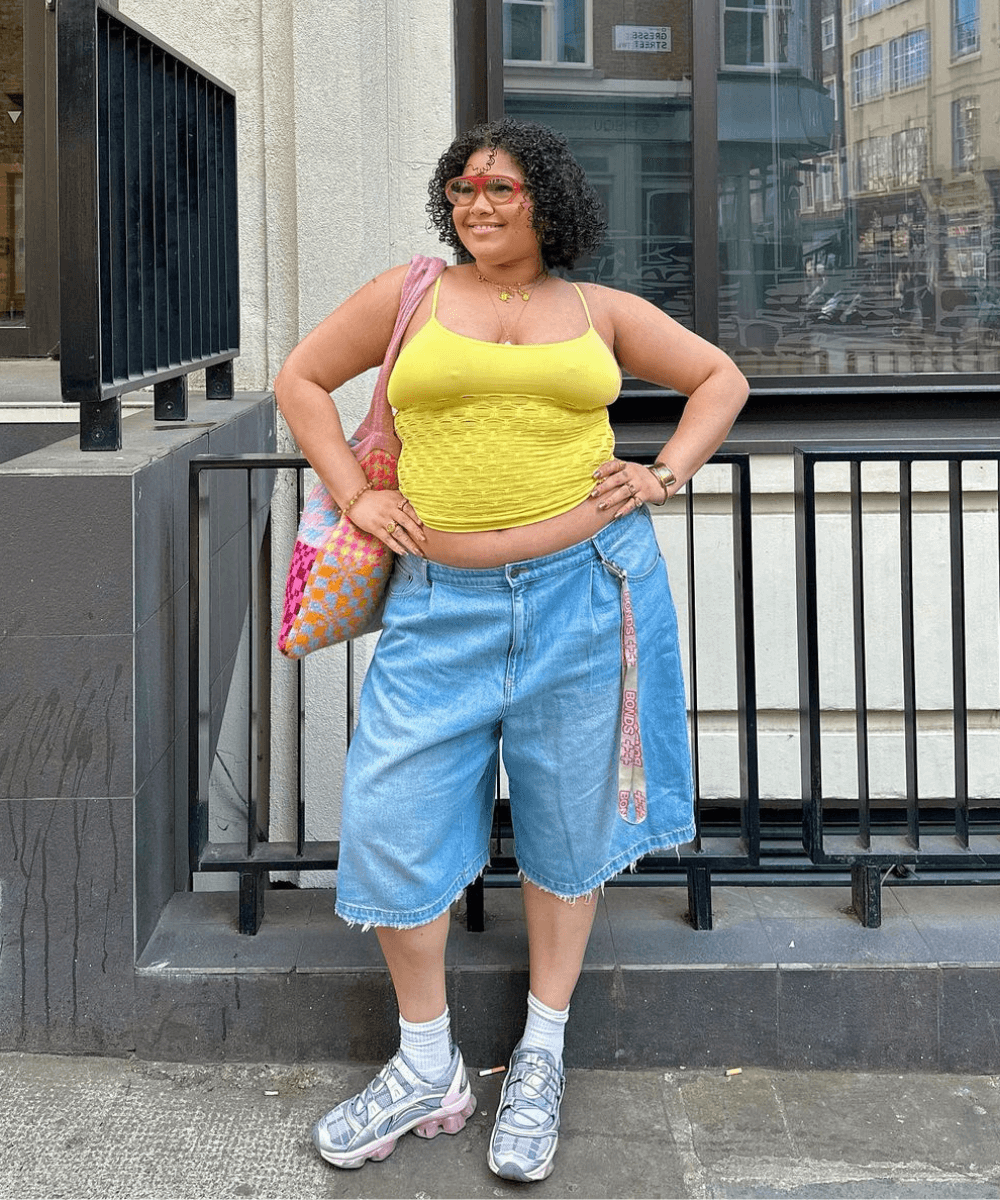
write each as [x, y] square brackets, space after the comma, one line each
[746, 833]
[149, 279]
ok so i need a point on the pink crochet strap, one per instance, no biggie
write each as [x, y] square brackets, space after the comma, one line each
[421, 274]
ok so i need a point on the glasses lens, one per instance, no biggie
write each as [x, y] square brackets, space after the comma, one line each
[460, 191]
[500, 189]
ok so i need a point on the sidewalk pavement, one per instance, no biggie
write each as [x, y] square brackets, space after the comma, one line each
[88, 1127]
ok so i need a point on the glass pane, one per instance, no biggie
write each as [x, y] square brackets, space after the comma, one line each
[858, 193]
[11, 163]
[571, 38]
[629, 124]
[522, 31]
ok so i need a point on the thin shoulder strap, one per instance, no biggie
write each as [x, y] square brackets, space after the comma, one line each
[583, 301]
[434, 296]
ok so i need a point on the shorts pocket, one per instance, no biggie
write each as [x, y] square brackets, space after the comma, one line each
[405, 579]
[638, 555]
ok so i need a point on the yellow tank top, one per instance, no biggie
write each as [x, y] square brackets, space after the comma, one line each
[496, 436]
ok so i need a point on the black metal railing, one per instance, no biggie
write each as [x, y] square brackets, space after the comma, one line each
[149, 279]
[728, 831]
[747, 834]
[916, 826]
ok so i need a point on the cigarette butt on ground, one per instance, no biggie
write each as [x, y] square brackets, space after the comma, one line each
[270, 1093]
[491, 1071]
[735, 1071]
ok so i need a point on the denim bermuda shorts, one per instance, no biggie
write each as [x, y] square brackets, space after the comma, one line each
[571, 659]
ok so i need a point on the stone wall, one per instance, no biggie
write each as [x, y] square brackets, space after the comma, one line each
[93, 711]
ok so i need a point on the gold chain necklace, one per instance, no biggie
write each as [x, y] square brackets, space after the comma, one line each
[506, 337]
[505, 291]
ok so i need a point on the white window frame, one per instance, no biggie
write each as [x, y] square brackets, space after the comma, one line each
[828, 38]
[867, 75]
[552, 13]
[965, 31]
[831, 83]
[909, 60]
[965, 132]
[872, 165]
[771, 12]
[910, 156]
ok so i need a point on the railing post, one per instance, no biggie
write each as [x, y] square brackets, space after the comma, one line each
[170, 399]
[866, 894]
[699, 897]
[475, 906]
[808, 648]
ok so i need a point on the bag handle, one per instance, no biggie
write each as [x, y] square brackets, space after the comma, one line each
[421, 274]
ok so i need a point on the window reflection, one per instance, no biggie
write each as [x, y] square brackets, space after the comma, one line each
[859, 169]
[12, 265]
[624, 102]
[861, 236]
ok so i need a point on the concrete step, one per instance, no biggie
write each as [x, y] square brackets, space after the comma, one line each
[788, 978]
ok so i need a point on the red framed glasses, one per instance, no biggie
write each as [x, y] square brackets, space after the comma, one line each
[499, 189]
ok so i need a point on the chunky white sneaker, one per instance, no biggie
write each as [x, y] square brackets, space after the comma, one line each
[526, 1132]
[396, 1101]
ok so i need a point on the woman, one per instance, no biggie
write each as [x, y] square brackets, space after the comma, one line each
[527, 570]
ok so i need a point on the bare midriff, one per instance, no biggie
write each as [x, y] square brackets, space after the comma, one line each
[497, 547]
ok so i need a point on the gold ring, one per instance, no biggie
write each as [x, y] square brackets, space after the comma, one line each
[391, 527]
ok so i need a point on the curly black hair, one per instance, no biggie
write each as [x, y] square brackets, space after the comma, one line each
[567, 215]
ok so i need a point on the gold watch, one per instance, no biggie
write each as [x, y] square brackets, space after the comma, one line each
[666, 477]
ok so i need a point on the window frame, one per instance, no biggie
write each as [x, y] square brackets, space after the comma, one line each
[38, 337]
[961, 106]
[867, 94]
[551, 12]
[960, 50]
[903, 56]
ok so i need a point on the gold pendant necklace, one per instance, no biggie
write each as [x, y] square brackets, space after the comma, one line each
[524, 290]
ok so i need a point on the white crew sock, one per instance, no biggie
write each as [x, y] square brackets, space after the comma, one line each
[427, 1045]
[545, 1028]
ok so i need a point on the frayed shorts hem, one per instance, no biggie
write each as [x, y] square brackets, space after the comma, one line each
[623, 862]
[355, 914]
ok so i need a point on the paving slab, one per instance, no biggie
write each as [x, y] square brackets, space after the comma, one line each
[93, 1127]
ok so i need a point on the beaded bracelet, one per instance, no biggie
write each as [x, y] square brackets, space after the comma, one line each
[356, 497]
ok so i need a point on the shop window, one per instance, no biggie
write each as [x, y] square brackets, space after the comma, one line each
[839, 236]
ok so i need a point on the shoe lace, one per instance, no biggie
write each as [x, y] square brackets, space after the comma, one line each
[532, 1094]
[370, 1096]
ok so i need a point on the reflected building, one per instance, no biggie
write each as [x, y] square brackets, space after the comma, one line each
[857, 188]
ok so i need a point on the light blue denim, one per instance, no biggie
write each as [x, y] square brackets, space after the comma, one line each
[530, 652]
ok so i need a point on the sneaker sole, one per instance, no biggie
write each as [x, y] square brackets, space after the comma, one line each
[445, 1120]
[513, 1171]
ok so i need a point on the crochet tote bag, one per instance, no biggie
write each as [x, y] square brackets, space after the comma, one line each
[338, 574]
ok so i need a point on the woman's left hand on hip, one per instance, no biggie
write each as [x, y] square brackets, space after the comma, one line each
[624, 486]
